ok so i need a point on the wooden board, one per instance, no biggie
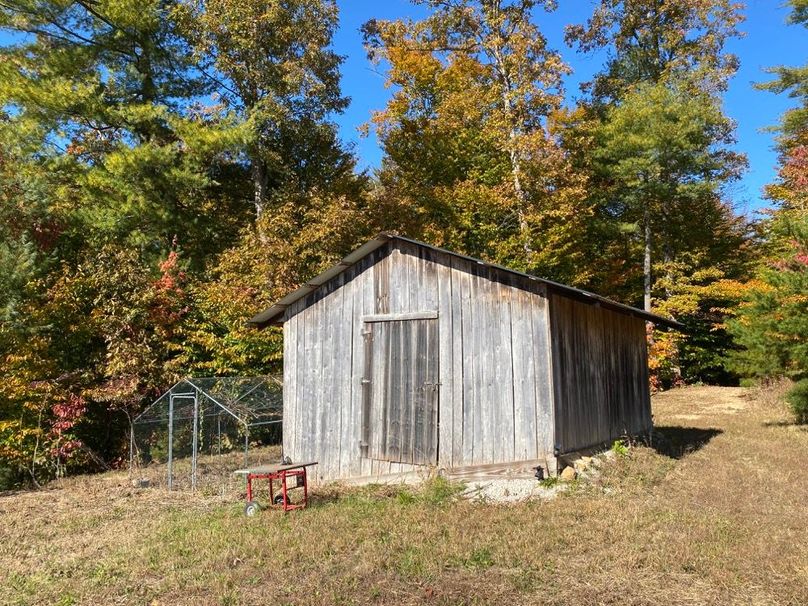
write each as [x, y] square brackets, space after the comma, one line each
[400, 423]
[600, 374]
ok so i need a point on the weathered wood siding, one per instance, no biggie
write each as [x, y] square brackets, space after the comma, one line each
[600, 374]
[495, 394]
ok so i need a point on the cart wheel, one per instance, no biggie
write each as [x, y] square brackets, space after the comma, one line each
[251, 508]
[279, 499]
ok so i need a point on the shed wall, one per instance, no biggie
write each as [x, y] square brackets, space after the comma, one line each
[600, 374]
[495, 394]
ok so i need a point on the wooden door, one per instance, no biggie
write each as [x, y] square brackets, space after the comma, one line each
[401, 387]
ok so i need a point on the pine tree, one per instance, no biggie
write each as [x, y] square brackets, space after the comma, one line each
[772, 325]
[659, 164]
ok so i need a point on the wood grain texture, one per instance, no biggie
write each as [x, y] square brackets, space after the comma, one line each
[600, 374]
[514, 372]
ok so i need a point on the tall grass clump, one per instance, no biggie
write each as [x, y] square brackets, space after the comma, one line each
[797, 398]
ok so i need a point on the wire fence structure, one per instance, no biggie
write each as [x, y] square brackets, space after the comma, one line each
[198, 432]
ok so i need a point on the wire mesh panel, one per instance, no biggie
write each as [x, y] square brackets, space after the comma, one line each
[197, 433]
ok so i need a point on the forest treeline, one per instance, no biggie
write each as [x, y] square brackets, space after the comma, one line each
[170, 167]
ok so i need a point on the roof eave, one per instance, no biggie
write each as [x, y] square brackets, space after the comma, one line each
[273, 315]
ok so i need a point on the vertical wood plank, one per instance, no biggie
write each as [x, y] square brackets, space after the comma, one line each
[505, 377]
[469, 370]
[458, 370]
[446, 405]
[289, 382]
[489, 341]
[543, 368]
[524, 377]
[346, 376]
[329, 391]
[433, 394]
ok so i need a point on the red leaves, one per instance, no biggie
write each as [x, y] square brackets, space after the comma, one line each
[66, 414]
[169, 295]
[172, 277]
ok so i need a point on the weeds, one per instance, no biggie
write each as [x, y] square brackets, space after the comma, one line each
[550, 482]
[620, 448]
[797, 398]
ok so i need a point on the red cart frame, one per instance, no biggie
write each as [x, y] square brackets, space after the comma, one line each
[281, 473]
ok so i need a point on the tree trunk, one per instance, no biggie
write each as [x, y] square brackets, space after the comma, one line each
[259, 173]
[646, 262]
[514, 129]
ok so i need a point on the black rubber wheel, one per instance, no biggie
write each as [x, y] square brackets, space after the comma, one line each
[251, 508]
[279, 499]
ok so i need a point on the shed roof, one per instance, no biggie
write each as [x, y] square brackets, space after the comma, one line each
[273, 314]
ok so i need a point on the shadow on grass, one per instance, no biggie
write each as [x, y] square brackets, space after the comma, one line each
[676, 442]
[786, 423]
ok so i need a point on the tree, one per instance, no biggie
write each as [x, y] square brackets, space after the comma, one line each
[470, 160]
[659, 165]
[772, 325]
[106, 95]
[107, 157]
[273, 67]
[129, 133]
[254, 273]
[653, 41]
[794, 82]
[272, 63]
[658, 155]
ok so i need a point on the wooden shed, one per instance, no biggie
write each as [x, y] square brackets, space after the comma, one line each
[405, 356]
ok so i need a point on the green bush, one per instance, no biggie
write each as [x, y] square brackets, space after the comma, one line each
[797, 399]
[620, 448]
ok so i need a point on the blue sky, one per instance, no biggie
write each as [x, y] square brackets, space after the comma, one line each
[769, 41]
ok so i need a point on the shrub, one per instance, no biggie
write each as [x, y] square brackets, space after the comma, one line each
[620, 448]
[797, 399]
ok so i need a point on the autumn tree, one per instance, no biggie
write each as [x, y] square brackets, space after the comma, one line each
[470, 160]
[108, 158]
[272, 63]
[771, 326]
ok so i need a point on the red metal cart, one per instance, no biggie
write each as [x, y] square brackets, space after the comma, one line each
[282, 473]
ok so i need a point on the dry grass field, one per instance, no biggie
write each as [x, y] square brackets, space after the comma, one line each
[716, 512]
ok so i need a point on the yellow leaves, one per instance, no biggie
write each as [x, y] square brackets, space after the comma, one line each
[410, 67]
